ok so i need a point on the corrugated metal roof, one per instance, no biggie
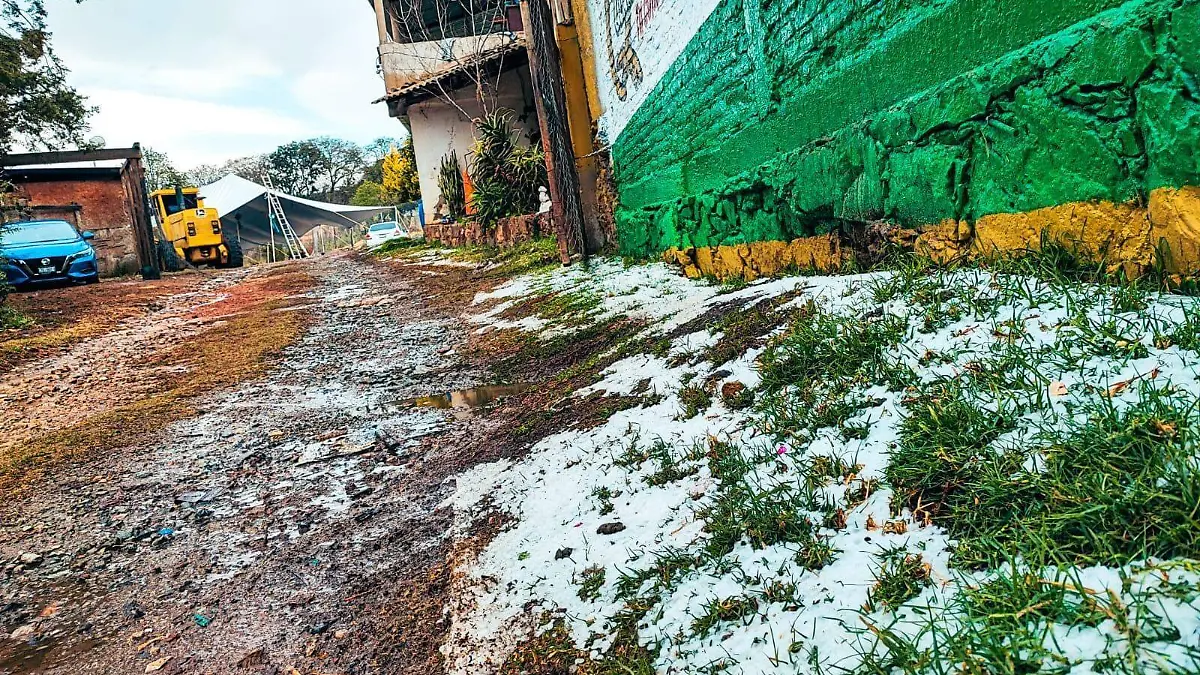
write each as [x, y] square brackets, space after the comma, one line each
[486, 57]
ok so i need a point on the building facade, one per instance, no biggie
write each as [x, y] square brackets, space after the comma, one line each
[446, 64]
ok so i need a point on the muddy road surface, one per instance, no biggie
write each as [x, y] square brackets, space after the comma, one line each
[291, 524]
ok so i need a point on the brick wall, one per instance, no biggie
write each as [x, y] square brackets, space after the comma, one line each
[103, 210]
[783, 119]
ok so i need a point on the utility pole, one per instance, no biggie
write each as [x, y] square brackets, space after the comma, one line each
[546, 72]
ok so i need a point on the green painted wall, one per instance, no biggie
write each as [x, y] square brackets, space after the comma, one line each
[785, 118]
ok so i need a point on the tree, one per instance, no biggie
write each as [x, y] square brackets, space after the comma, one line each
[341, 165]
[379, 148]
[250, 168]
[160, 173]
[369, 193]
[401, 182]
[37, 107]
[205, 174]
[296, 168]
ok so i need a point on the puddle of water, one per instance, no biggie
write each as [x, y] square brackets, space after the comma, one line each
[479, 397]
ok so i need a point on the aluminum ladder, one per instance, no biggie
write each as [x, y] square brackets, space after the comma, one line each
[276, 215]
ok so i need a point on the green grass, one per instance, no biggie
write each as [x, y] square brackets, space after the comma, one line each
[1013, 624]
[591, 580]
[671, 466]
[670, 566]
[1106, 486]
[693, 400]
[12, 318]
[820, 347]
[575, 308]
[735, 609]
[604, 497]
[901, 577]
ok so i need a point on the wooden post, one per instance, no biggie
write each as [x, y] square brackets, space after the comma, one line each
[551, 103]
[133, 179]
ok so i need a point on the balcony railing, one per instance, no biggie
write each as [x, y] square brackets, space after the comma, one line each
[446, 19]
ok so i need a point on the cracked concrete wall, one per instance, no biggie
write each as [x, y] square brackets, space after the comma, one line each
[785, 119]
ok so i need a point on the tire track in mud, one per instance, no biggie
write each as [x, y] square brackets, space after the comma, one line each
[295, 522]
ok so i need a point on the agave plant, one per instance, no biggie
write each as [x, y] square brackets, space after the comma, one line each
[505, 174]
[450, 182]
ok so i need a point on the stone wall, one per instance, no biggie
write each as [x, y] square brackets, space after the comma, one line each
[787, 119]
[508, 232]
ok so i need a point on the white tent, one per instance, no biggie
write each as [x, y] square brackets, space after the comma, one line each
[243, 208]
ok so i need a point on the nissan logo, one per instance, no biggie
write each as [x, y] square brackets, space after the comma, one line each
[45, 261]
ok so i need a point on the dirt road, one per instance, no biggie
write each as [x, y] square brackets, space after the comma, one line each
[291, 523]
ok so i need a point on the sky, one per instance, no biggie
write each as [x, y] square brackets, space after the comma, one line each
[209, 80]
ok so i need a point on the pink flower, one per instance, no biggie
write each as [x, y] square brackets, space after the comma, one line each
[783, 449]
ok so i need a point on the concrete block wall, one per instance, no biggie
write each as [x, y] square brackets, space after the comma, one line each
[784, 119]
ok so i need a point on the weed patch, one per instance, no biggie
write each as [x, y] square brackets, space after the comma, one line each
[729, 610]
[901, 577]
[591, 580]
[820, 347]
[693, 400]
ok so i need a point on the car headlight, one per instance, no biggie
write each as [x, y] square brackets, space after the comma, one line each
[79, 255]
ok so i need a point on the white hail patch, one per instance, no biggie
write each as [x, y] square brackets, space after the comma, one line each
[500, 597]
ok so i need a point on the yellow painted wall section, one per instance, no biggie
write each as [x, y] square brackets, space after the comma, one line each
[1129, 237]
[587, 53]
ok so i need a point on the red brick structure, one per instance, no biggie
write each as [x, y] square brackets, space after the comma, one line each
[508, 232]
[92, 201]
[100, 191]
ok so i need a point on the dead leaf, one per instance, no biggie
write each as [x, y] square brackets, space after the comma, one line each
[1165, 428]
[50, 610]
[1058, 389]
[155, 666]
[1118, 388]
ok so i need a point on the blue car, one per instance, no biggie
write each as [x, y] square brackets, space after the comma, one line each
[42, 253]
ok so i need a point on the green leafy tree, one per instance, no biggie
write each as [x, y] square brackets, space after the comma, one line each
[37, 107]
[161, 174]
[341, 165]
[369, 193]
[297, 168]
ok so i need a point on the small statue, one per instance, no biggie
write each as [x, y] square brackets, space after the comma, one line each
[544, 200]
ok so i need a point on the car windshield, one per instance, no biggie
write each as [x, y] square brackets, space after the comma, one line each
[36, 233]
[382, 227]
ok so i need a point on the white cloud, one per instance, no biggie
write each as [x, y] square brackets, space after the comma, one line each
[195, 131]
[207, 80]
